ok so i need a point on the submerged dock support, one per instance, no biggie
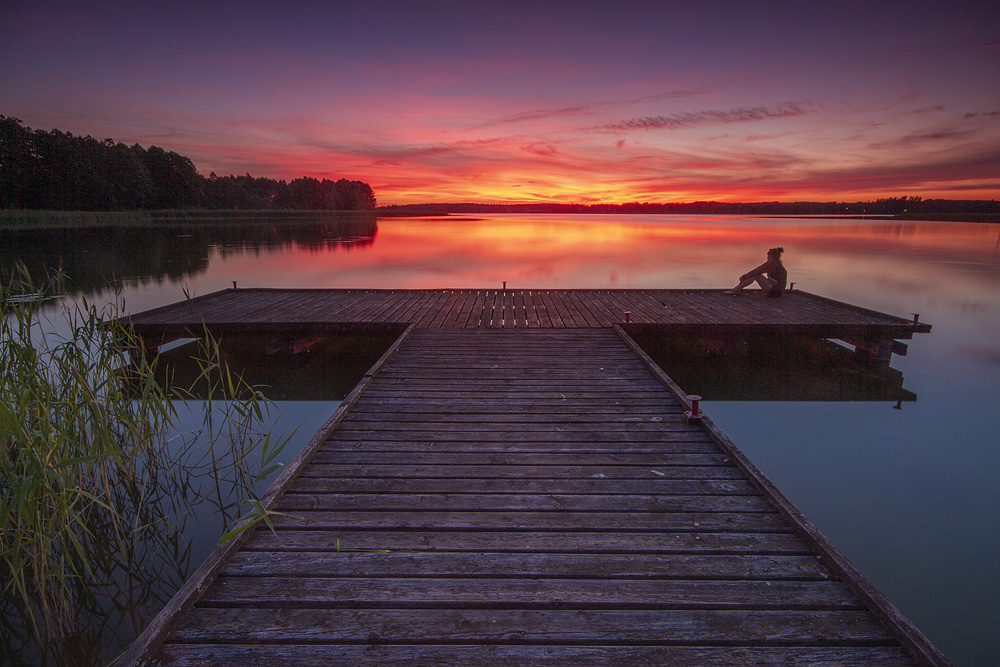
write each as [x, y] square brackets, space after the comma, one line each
[877, 349]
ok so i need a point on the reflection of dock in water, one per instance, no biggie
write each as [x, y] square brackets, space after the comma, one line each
[782, 368]
[526, 495]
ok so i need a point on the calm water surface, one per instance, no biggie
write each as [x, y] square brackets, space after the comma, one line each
[911, 496]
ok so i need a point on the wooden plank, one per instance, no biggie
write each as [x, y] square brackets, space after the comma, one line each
[556, 486]
[552, 310]
[491, 626]
[412, 311]
[475, 311]
[485, 317]
[498, 541]
[416, 412]
[537, 521]
[460, 314]
[526, 457]
[697, 443]
[444, 302]
[554, 429]
[252, 566]
[389, 309]
[398, 307]
[458, 592]
[505, 450]
[648, 397]
[500, 502]
[428, 308]
[508, 313]
[559, 655]
[662, 471]
[581, 436]
[483, 409]
[540, 310]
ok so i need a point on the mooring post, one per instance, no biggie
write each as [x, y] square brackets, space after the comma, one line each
[628, 316]
[916, 318]
[234, 285]
[694, 414]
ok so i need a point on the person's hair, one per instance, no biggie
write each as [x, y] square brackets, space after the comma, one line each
[776, 252]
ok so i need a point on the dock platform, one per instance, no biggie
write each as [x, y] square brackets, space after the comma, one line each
[529, 495]
[275, 310]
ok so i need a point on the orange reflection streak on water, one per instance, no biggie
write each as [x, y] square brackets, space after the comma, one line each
[535, 251]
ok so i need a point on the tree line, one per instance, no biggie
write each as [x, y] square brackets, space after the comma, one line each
[56, 170]
[897, 206]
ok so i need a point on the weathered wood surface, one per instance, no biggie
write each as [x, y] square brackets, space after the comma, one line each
[438, 526]
[305, 655]
[678, 310]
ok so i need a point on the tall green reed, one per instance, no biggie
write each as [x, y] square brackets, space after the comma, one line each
[94, 486]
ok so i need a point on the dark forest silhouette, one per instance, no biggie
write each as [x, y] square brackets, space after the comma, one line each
[58, 171]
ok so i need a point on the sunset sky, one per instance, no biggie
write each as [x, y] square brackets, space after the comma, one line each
[520, 101]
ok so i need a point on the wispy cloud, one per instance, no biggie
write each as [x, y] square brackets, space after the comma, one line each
[679, 121]
[588, 108]
[918, 139]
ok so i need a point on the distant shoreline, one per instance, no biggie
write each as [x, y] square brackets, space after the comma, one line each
[17, 219]
[20, 219]
[905, 208]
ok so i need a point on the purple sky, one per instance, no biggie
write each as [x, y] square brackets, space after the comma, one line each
[514, 101]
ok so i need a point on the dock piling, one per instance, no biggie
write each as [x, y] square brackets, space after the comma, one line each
[694, 415]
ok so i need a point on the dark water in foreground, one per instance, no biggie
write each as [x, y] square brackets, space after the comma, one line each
[910, 495]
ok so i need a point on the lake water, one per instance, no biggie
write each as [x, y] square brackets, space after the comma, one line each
[911, 496]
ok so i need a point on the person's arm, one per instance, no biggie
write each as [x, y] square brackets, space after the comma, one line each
[759, 271]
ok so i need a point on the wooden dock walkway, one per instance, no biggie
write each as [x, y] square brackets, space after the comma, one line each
[531, 496]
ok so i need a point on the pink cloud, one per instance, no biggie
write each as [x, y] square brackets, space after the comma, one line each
[687, 120]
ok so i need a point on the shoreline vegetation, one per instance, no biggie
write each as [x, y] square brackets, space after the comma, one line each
[29, 219]
[897, 208]
[96, 482]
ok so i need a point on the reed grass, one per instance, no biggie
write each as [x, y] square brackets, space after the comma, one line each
[94, 487]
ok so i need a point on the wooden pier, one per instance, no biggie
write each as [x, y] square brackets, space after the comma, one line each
[523, 495]
[702, 311]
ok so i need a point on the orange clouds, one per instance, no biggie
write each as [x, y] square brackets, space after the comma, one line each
[786, 151]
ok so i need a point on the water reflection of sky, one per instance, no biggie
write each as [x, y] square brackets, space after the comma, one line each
[909, 495]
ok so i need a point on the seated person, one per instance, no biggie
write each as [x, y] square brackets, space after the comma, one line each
[773, 283]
